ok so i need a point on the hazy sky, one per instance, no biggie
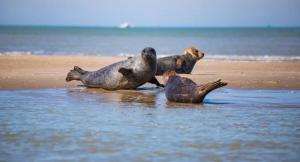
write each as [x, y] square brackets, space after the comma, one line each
[151, 12]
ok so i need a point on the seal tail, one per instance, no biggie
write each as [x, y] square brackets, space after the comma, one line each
[205, 89]
[79, 70]
[75, 74]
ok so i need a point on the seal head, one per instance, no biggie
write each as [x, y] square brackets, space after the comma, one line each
[149, 53]
[194, 52]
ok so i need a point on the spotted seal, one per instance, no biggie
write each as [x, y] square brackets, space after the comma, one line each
[180, 89]
[127, 74]
[182, 64]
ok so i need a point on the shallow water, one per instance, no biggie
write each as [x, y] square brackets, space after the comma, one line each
[95, 125]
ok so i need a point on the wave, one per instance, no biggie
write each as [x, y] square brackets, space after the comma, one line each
[127, 54]
[252, 57]
[232, 57]
[207, 56]
[246, 58]
[15, 53]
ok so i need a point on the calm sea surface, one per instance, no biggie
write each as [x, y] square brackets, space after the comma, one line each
[236, 43]
[95, 125]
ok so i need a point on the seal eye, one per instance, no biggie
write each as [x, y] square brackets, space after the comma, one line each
[149, 50]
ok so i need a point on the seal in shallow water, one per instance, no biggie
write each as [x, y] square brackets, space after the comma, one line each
[180, 89]
[182, 64]
[127, 74]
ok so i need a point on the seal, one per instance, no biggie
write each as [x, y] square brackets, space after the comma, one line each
[180, 89]
[127, 74]
[182, 64]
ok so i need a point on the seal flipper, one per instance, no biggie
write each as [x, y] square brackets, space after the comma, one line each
[205, 89]
[178, 63]
[73, 75]
[79, 70]
[153, 80]
[125, 72]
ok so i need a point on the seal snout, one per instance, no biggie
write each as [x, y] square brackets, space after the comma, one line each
[200, 56]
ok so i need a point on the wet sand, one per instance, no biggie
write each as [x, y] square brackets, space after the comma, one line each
[29, 71]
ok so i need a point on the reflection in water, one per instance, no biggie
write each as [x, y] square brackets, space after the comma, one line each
[144, 96]
[95, 125]
[184, 105]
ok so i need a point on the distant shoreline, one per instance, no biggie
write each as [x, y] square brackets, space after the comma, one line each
[207, 56]
[32, 71]
[153, 27]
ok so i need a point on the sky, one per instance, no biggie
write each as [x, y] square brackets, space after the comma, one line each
[153, 13]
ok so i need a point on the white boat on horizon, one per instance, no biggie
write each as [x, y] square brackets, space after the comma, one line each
[125, 25]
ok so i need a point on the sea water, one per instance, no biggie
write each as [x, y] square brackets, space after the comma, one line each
[216, 43]
[81, 124]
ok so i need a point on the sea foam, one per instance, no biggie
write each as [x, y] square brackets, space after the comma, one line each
[207, 56]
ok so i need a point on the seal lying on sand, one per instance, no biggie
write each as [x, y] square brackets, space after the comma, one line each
[180, 89]
[127, 74]
[182, 64]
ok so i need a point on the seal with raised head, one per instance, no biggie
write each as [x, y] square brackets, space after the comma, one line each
[181, 89]
[127, 74]
[182, 64]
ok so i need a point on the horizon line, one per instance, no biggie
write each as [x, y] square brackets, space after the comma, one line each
[110, 26]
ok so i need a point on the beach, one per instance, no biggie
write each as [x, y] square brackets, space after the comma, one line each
[32, 71]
